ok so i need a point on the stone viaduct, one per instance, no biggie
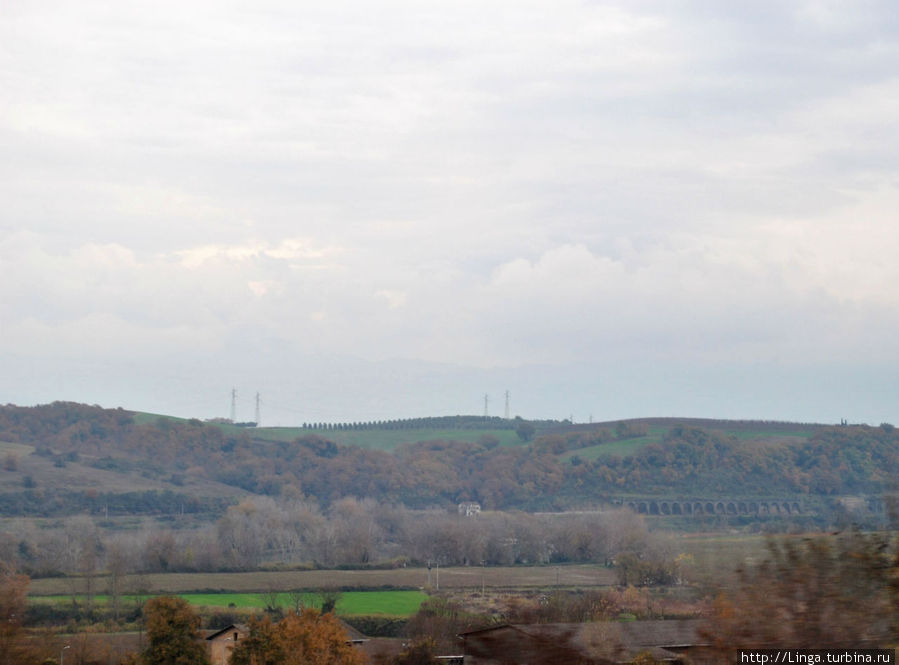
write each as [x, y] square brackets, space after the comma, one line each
[665, 507]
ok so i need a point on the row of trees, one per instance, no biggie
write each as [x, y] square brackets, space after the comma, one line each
[37, 500]
[350, 532]
[436, 422]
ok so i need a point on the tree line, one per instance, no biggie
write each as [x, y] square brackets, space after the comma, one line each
[349, 533]
[430, 422]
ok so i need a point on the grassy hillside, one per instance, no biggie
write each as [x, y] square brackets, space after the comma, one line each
[368, 436]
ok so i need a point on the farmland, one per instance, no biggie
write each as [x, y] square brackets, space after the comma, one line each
[352, 603]
[400, 578]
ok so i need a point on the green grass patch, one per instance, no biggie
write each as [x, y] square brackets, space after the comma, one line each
[351, 603]
[613, 448]
[142, 418]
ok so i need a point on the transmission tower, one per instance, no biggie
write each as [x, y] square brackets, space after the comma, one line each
[258, 418]
[507, 404]
[233, 404]
[486, 402]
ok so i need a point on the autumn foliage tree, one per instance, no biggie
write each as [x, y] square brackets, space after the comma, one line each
[835, 591]
[307, 638]
[263, 646]
[12, 609]
[173, 633]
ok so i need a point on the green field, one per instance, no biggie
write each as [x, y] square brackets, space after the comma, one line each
[351, 603]
[142, 418]
[612, 448]
[378, 439]
[621, 448]
[390, 439]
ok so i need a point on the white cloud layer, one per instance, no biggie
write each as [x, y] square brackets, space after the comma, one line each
[259, 194]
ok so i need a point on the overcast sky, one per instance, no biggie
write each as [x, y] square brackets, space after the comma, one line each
[370, 210]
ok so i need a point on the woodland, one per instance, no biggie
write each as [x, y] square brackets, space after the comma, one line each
[543, 473]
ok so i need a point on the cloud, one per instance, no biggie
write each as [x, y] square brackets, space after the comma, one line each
[797, 290]
[394, 299]
[489, 185]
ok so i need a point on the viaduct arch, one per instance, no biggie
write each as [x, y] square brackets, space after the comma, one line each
[721, 506]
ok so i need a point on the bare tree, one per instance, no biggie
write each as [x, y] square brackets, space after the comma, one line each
[85, 547]
[271, 601]
[297, 599]
[117, 566]
[330, 597]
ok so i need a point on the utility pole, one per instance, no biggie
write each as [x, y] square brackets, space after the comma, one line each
[258, 418]
[233, 404]
[486, 401]
[507, 404]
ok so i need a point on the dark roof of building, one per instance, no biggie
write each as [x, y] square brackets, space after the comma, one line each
[662, 633]
[617, 641]
[352, 634]
[239, 627]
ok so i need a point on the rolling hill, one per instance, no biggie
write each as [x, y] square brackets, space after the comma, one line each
[63, 458]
